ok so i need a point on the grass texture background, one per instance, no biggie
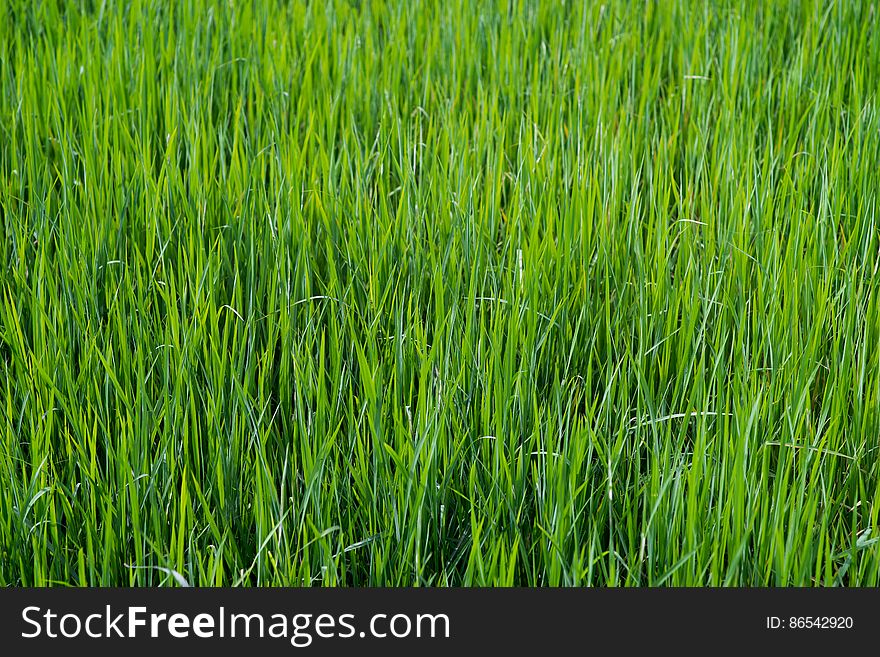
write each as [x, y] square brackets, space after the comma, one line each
[439, 293]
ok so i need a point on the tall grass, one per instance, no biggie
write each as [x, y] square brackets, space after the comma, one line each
[439, 293]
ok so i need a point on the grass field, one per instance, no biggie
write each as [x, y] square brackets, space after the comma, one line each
[439, 293]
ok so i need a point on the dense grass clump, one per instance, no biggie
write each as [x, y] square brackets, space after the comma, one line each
[439, 293]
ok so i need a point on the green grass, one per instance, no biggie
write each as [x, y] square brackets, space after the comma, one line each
[439, 293]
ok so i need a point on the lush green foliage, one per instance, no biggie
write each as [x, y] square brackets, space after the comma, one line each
[439, 293]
